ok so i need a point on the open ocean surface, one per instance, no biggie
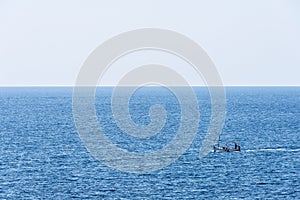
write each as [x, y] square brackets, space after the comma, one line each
[42, 156]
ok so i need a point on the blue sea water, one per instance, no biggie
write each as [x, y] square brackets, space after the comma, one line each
[42, 156]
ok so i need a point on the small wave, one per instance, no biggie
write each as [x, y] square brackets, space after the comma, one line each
[272, 150]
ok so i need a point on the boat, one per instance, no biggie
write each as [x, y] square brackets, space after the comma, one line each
[227, 148]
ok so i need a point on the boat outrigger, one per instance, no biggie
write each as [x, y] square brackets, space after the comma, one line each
[227, 148]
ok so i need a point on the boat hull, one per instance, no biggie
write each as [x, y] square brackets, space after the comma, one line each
[226, 149]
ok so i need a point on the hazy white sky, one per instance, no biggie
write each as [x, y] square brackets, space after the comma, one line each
[252, 42]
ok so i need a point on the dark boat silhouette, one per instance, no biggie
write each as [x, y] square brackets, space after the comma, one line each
[227, 148]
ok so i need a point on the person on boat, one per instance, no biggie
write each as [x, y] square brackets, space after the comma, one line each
[237, 147]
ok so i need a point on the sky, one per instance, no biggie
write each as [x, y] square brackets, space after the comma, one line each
[251, 42]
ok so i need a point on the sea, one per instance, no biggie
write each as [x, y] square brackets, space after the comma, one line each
[42, 155]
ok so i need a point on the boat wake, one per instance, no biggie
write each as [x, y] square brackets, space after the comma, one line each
[271, 150]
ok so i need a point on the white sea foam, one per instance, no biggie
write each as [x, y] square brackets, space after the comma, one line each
[271, 149]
